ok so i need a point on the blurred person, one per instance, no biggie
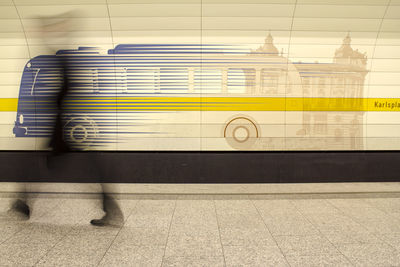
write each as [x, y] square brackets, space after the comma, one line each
[61, 145]
[56, 30]
[48, 29]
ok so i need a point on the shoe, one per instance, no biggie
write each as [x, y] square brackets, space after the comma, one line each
[20, 210]
[108, 221]
[113, 217]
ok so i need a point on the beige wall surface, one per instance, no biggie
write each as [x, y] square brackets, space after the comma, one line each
[309, 74]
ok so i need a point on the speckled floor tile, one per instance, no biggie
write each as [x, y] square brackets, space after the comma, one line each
[240, 220]
[326, 260]
[90, 230]
[22, 254]
[194, 219]
[210, 231]
[254, 256]
[246, 237]
[188, 243]
[190, 204]
[142, 236]
[9, 228]
[29, 245]
[5, 204]
[197, 237]
[155, 206]
[275, 207]
[305, 245]
[131, 255]
[348, 202]
[149, 220]
[370, 254]
[195, 214]
[381, 225]
[356, 236]
[333, 222]
[289, 225]
[385, 204]
[361, 213]
[82, 247]
[315, 206]
[193, 250]
[43, 206]
[392, 239]
[152, 213]
[70, 212]
[127, 206]
[229, 206]
[192, 260]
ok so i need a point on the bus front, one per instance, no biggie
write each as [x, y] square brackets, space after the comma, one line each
[39, 85]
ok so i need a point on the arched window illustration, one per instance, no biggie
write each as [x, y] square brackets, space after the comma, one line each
[269, 81]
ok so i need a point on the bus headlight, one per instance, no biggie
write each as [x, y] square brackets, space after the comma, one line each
[21, 119]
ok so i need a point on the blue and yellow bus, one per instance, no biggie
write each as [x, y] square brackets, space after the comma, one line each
[195, 97]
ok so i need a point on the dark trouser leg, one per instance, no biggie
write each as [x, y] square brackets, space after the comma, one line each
[113, 214]
[110, 206]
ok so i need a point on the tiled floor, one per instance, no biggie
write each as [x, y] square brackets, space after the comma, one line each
[206, 230]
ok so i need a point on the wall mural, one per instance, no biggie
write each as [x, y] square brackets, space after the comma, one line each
[142, 91]
[209, 95]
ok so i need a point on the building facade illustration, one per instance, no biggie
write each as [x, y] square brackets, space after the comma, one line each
[342, 79]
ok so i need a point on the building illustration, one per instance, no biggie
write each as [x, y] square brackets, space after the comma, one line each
[342, 79]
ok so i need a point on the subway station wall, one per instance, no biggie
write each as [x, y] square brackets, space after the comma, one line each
[260, 75]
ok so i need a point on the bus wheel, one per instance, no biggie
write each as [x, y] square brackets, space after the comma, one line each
[80, 132]
[241, 133]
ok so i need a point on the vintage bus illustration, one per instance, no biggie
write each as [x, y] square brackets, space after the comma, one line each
[196, 97]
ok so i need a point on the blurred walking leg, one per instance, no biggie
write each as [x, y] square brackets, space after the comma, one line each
[113, 215]
[19, 207]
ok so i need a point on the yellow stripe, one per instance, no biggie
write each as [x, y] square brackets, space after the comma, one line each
[8, 104]
[245, 104]
[225, 104]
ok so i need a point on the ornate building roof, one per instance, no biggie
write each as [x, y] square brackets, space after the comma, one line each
[268, 48]
[347, 55]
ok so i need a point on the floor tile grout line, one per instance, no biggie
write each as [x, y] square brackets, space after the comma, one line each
[219, 232]
[298, 207]
[61, 239]
[360, 224]
[379, 236]
[351, 217]
[384, 211]
[169, 230]
[27, 224]
[266, 226]
[112, 241]
[305, 217]
[55, 244]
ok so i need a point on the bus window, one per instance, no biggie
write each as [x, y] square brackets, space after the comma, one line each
[207, 80]
[238, 79]
[83, 80]
[174, 80]
[143, 80]
[46, 82]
